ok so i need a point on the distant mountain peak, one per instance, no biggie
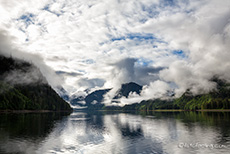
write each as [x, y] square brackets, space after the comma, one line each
[98, 95]
[127, 88]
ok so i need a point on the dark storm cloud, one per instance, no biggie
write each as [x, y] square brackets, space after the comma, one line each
[127, 71]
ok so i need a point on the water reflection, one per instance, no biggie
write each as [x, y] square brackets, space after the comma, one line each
[23, 132]
[128, 133]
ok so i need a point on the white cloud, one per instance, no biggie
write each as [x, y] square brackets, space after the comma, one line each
[156, 89]
[88, 37]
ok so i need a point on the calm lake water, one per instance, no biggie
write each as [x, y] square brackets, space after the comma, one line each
[115, 133]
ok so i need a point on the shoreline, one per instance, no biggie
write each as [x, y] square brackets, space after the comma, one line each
[31, 111]
[166, 110]
[201, 110]
[214, 110]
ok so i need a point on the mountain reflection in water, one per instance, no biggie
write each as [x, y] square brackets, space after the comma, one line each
[125, 133]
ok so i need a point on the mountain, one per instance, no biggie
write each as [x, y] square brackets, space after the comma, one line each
[94, 99]
[91, 101]
[78, 101]
[96, 96]
[23, 87]
[127, 88]
[63, 93]
[216, 99]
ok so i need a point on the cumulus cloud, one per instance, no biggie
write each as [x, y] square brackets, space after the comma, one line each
[34, 73]
[156, 89]
[181, 42]
[204, 39]
[186, 77]
[130, 70]
[85, 34]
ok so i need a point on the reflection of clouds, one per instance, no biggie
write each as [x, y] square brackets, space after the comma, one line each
[76, 136]
[170, 133]
[118, 133]
[72, 136]
[133, 140]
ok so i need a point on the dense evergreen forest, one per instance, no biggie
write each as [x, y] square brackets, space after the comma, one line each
[19, 95]
[216, 99]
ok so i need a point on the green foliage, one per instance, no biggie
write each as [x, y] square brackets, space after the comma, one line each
[36, 96]
[8, 64]
[219, 99]
[150, 105]
[32, 97]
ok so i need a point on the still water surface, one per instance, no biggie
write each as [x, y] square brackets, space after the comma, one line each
[115, 133]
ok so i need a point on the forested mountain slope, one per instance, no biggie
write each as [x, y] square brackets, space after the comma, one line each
[23, 87]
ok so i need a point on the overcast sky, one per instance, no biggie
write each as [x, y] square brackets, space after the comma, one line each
[162, 44]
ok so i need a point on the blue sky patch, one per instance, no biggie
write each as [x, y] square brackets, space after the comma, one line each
[136, 36]
[143, 62]
[27, 19]
[47, 8]
[179, 53]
